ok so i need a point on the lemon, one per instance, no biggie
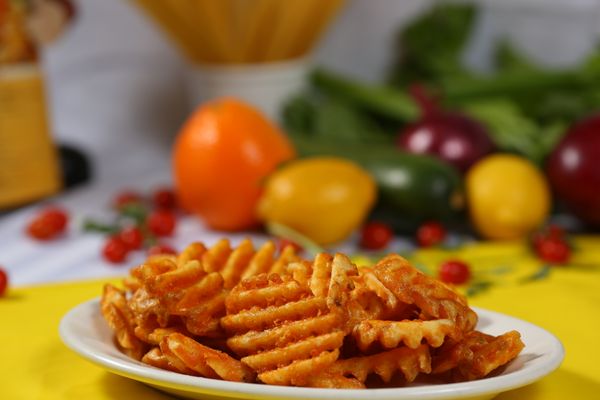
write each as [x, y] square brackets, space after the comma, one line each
[323, 198]
[508, 196]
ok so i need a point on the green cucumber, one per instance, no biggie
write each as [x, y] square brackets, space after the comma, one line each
[412, 188]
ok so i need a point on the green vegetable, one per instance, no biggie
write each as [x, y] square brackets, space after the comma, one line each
[383, 100]
[512, 131]
[332, 120]
[526, 108]
[432, 45]
[412, 188]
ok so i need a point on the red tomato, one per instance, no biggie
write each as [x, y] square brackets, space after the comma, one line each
[125, 198]
[48, 224]
[3, 282]
[553, 250]
[375, 236]
[455, 272]
[161, 222]
[164, 198]
[431, 234]
[114, 250]
[132, 237]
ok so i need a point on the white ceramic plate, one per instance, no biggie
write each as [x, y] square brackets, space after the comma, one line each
[83, 330]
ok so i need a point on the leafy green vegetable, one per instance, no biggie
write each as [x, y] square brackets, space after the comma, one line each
[333, 119]
[383, 100]
[432, 45]
[513, 131]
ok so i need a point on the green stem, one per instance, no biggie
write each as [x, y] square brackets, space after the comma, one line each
[383, 100]
[464, 89]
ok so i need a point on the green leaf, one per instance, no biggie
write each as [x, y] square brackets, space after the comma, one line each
[508, 127]
[431, 46]
[478, 287]
[134, 211]
[299, 114]
[509, 59]
[542, 273]
[90, 225]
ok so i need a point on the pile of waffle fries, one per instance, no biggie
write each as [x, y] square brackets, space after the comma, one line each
[247, 315]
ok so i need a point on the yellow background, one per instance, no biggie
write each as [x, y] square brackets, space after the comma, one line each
[36, 365]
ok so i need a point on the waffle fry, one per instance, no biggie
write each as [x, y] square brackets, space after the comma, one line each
[371, 300]
[390, 334]
[435, 299]
[334, 381]
[156, 358]
[243, 261]
[119, 317]
[409, 362]
[182, 350]
[272, 337]
[248, 315]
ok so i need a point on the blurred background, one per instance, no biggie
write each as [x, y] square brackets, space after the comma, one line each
[114, 70]
[416, 93]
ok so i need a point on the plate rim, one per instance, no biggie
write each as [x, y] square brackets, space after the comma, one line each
[148, 374]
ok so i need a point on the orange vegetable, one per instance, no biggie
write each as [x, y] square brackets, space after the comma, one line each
[220, 158]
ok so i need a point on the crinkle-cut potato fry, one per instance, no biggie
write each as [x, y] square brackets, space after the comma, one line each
[409, 362]
[243, 261]
[370, 300]
[477, 355]
[435, 299]
[373, 284]
[391, 334]
[299, 371]
[119, 317]
[207, 362]
[185, 291]
[483, 359]
[156, 358]
[249, 315]
[271, 336]
[326, 276]
[330, 278]
[334, 381]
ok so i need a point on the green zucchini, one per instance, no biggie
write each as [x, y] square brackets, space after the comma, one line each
[412, 188]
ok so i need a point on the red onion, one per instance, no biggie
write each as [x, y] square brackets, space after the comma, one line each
[452, 137]
[573, 169]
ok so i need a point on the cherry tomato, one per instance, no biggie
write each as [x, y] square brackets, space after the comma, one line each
[132, 237]
[455, 272]
[375, 236]
[550, 231]
[114, 250]
[164, 198]
[3, 282]
[553, 250]
[431, 234]
[48, 224]
[161, 248]
[161, 222]
[283, 243]
[125, 198]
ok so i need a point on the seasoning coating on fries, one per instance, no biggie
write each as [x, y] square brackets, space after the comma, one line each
[247, 315]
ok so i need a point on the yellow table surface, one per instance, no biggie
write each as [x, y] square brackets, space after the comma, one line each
[36, 365]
